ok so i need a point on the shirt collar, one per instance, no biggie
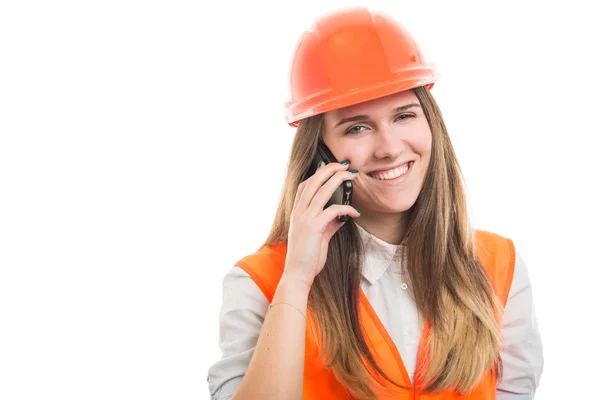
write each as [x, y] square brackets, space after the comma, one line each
[379, 256]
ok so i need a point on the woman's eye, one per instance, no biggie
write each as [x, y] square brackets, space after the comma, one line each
[354, 129]
[359, 128]
[404, 116]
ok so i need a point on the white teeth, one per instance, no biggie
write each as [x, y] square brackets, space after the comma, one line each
[395, 173]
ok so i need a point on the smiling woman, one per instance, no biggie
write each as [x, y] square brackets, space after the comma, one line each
[405, 300]
[389, 141]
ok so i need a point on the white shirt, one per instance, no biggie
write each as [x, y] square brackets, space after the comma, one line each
[244, 308]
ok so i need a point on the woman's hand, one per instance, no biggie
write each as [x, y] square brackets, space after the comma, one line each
[311, 227]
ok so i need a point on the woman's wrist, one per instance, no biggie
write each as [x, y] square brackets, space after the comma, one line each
[293, 281]
[293, 291]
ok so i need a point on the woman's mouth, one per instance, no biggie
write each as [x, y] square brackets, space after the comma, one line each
[397, 173]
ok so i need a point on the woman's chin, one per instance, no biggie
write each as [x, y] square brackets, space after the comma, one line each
[396, 205]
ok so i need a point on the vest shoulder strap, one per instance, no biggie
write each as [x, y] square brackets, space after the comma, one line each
[265, 267]
[497, 254]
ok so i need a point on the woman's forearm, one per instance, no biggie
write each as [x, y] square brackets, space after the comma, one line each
[276, 370]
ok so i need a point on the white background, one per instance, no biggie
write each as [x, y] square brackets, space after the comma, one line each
[143, 149]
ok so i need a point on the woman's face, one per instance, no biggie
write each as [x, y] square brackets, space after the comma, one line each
[388, 141]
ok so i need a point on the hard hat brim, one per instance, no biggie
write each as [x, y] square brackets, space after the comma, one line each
[322, 102]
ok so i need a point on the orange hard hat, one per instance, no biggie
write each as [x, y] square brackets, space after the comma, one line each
[350, 56]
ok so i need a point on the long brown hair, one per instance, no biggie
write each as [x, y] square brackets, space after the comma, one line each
[450, 286]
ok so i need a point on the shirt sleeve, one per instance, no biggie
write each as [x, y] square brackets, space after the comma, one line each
[521, 348]
[241, 317]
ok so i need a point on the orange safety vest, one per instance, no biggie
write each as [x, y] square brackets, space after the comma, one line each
[266, 266]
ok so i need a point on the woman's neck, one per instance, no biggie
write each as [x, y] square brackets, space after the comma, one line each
[388, 227]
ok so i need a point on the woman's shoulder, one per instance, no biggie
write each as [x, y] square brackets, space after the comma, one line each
[483, 234]
[265, 266]
[256, 274]
[488, 243]
[497, 255]
[240, 290]
[266, 253]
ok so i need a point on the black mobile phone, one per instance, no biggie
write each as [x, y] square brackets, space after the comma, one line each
[343, 194]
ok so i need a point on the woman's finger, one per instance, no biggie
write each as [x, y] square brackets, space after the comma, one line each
[326, 191]
[331, 212]
[314, 183]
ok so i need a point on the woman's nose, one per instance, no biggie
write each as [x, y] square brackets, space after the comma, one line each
[387, 144]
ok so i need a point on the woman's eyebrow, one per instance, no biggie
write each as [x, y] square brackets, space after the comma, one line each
[366, 117]
[406, 107]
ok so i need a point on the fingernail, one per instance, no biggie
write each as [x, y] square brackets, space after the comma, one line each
[320, 163]
[354, 171]
[345, 162]
[358, 211]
